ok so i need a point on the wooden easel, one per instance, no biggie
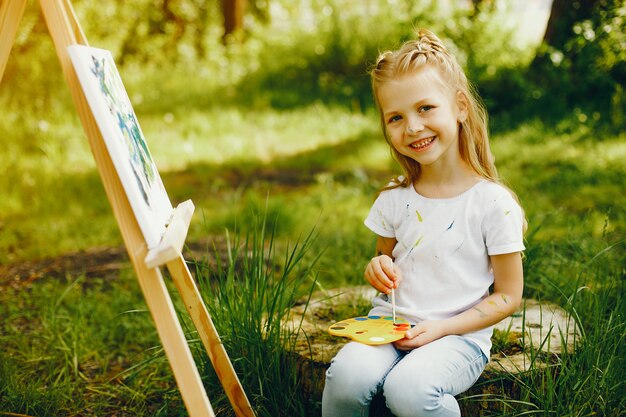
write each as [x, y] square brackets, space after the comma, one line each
[65, 30]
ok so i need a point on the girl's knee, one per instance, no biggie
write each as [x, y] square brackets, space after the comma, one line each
[343, 393]
[360, 366]
[355, 375]
[344, 381]
[406, 397]
[417, 395]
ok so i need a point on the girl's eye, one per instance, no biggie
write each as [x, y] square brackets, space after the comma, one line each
[425, 108]
[394, 118]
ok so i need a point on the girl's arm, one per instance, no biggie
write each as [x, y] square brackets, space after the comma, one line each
[504, 301]
[381, 272]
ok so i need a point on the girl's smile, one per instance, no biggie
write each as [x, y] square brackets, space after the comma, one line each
[423, 144]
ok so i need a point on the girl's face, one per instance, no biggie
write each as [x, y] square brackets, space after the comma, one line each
[422, 117]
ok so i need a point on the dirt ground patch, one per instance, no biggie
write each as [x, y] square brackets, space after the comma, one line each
[101, 262]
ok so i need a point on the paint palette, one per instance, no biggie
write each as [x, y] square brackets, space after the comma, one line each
[371, 330]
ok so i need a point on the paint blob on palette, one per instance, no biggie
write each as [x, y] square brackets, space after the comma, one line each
[371, 330]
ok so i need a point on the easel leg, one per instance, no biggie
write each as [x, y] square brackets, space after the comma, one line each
[173, 340]
[11, 12]
[210, 338]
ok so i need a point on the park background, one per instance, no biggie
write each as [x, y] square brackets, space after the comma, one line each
[266, 121]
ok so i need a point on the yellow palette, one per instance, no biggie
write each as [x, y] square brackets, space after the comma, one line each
[371, 330]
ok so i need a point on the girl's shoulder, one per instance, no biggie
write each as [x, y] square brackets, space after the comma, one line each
[396, 191]
[493, 191]
[496, 201]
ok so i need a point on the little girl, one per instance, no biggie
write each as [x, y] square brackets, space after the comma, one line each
[446, 231]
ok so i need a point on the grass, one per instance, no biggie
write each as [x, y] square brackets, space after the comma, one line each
[586, 379]
[212, 168]
[249, 295]
[65, 343]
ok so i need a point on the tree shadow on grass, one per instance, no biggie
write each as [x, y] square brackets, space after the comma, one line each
[285, 173]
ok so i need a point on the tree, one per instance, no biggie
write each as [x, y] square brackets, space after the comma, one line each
[233, 12]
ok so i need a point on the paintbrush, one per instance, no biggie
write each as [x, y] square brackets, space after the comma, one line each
[393, 305]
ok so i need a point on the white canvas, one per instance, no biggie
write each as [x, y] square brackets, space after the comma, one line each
[124, 139]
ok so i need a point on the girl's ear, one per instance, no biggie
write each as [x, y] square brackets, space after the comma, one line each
[463, 105]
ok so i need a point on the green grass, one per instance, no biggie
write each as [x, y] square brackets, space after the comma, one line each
[66, 342]
[214, 163]
[249, 293]
[586, 379]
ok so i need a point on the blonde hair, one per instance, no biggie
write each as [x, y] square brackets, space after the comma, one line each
[428, 50]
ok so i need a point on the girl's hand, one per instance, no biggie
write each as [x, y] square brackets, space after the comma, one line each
[382, 274]
[421, 334]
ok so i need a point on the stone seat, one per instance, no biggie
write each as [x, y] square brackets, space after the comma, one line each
[532, 337]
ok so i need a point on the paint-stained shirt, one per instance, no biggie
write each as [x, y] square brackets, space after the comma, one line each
[443, 249]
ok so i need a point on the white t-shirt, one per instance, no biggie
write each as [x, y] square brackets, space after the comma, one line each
[443, 249]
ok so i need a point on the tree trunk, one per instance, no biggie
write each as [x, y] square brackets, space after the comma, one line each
[563, 15]
[554, 21]
[233, 12]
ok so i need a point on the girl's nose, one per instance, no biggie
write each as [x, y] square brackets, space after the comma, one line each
[413, 128]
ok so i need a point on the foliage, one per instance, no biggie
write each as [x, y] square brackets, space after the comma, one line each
[585, 70]
[296, 54]
[326, 53]
[249, 296]
[318, 50]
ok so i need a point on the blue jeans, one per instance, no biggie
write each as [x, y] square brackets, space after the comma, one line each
[422, 382]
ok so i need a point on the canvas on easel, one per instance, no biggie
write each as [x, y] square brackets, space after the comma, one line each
[124, 139]
[153, 232]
